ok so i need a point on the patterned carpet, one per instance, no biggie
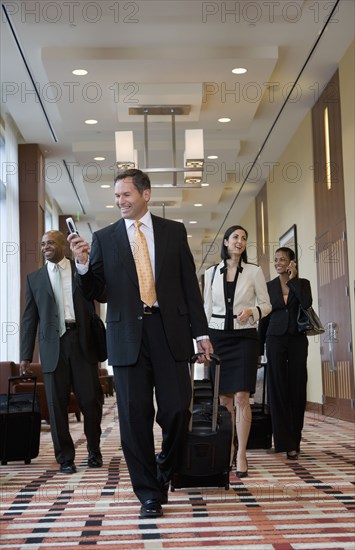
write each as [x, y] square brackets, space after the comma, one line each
[281, 505]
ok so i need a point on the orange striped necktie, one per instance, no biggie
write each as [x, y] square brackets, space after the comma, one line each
[143, 267]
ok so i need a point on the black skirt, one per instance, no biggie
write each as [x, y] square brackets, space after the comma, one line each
[238, 351]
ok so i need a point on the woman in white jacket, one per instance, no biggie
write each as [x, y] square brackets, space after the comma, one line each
[236, 297]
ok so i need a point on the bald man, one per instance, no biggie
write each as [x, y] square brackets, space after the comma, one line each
[56, 308]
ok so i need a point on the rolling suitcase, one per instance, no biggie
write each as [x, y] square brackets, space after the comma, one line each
[204, 460]
[20, 423]
[260, 436]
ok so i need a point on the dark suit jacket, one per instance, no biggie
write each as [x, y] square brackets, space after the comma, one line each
[283, 317]
[112, 270]
[41, 312]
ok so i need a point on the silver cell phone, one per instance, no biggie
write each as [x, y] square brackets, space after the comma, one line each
[71, 226]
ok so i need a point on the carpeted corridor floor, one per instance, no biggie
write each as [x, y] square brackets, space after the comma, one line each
[282, 505]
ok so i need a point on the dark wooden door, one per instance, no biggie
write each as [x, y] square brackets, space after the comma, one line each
[332, 256]
[333, 285]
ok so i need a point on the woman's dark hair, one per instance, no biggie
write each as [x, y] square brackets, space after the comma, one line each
[227, 234]
[141, 180]
[288, 251]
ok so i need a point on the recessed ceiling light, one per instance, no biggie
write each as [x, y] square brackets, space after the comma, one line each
[198, 204]
[91, 121]
[205, 184]
[239, 70]
[189, 236]
[109, 206]
[105, 186]
[80, 72]
[212, 157]
[224, 119]
[99, 158]
[192, 221]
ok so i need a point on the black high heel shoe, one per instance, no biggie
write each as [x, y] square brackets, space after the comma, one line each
[244, 473]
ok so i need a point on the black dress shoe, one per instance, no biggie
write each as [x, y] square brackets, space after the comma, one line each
[164, 493]
[68, 467]
[151, 509]
[95, 459]
[160, 457]
[292, 455]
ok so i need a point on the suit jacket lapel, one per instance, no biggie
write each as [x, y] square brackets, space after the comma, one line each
[160, 243]
[121, 243]
[45, 280]
[278, 293]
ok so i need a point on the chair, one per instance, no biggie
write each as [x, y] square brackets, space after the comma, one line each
[106, 382]
[25, 386]
[7, 369]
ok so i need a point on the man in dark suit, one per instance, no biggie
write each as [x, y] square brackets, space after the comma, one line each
[55, 305]
[149, 344]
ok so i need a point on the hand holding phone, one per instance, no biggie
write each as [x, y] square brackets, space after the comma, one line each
[71, 226]
[291, 267]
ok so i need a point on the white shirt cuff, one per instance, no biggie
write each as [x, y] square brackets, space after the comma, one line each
[82, 269]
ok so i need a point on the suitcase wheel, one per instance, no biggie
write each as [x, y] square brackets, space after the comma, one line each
[3, 462]
[172, 488]
[226, 486]
[27, 461]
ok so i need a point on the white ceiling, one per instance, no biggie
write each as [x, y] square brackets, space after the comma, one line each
[159, 53]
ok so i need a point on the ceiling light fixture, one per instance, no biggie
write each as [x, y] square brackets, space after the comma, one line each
[126, 155]
[99, 158]
[91, 121]
[239, 70]
[80, 72]
[224, 119]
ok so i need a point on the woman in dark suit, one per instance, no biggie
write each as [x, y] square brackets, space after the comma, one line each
[286, 351]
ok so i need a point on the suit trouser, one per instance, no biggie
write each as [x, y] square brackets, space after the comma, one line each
[287, 388]
[73, 371]
[156, 370]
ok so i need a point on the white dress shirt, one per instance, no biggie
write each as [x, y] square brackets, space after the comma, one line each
[66, 275]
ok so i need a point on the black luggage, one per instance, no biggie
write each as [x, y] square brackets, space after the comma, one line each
[203, 391]
[205, 457]
[20, 423]
[260, 436]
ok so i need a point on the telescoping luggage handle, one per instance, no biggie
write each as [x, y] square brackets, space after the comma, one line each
[217, 360]
[22, 378]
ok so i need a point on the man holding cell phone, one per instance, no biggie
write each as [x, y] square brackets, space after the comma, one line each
[154, 310]
[55, 307]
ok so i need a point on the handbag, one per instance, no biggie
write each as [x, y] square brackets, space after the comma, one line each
[308, 322]
[99, 335]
